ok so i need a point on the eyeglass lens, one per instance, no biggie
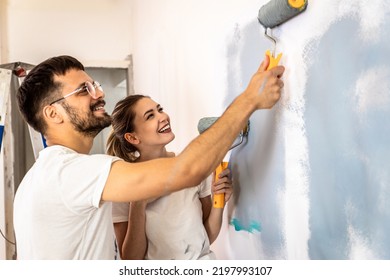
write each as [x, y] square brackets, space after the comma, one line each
[91, 88]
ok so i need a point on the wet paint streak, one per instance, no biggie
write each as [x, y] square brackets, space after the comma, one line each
[238, 226]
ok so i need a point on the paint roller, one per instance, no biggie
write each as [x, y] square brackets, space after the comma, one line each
[203, 125]
[273, 14]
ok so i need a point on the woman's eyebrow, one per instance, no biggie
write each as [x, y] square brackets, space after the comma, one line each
[151, 110]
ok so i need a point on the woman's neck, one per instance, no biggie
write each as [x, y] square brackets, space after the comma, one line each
[153, 154]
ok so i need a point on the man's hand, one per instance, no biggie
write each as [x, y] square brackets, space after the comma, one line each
[266, 85]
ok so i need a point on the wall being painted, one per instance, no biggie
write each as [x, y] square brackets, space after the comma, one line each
[313, 178]
[312, 182]
[347, 114]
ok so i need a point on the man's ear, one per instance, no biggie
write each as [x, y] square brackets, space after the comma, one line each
[131, 138]
[51, 114]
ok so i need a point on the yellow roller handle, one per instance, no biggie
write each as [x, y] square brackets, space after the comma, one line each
[219, 198]
[273, 61]
[297, 4]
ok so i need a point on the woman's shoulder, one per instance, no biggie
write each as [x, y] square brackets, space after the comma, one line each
[171, 154]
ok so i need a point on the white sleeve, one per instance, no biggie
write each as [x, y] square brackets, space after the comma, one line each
[82, 191]
[120, 212]
[205, 187]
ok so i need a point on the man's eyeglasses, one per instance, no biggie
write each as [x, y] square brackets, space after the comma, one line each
[88, 87]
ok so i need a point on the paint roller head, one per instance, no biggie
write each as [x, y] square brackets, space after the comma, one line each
[276, 12]
[205, 123]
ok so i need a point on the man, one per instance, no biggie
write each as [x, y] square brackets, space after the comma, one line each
[60, 208]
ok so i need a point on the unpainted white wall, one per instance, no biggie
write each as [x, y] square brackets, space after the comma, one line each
[89, 30]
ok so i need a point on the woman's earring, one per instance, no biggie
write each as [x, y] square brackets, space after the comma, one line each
[136, 154]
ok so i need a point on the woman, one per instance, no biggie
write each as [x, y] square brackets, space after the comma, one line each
[179, 225]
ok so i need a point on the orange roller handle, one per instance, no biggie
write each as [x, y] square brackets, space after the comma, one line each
[219, 198]
[273, 61]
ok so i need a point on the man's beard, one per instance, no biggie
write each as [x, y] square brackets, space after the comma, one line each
[90, 125]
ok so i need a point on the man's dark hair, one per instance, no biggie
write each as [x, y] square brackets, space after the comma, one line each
[36, 91]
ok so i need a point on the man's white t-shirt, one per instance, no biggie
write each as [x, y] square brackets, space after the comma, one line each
[58, 212]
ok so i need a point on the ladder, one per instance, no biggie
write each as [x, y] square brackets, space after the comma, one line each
[11, 125]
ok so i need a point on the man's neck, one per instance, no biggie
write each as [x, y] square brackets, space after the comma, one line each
[72, 140]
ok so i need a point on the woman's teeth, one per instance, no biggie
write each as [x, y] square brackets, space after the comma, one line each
[165, 128]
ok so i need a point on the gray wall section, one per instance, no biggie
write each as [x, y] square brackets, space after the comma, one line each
[348, 147]
[348, 150]
[258, 165]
